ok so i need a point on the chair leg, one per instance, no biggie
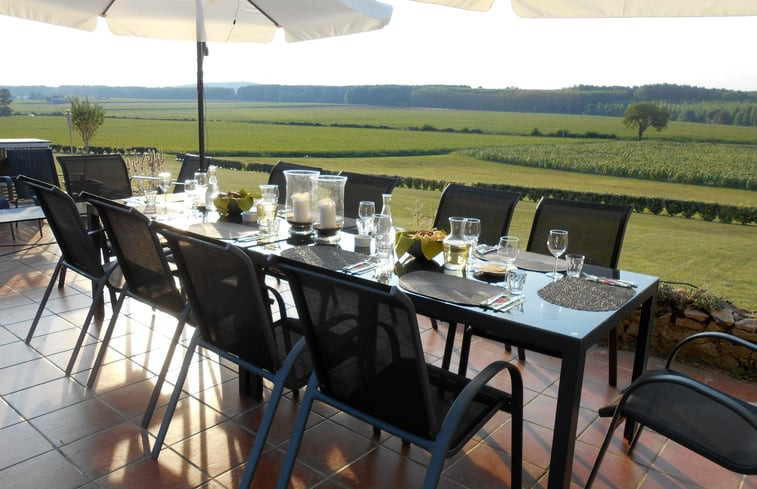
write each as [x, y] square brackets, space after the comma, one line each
[612, 364]
[62, 279]
[297, 434]
[171, 408]
[462, 367]
[43, 302]
[106, 341]
[449, 345]
[260, 438]
[434, 324]
[616, 419]
[164, 371]
[87, 321]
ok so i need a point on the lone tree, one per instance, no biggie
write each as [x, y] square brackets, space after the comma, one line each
[5, 102]
[643, 115]
[87, 118]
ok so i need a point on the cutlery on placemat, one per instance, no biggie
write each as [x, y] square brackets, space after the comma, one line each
[359, 267]
[610, 281]
[501, 302]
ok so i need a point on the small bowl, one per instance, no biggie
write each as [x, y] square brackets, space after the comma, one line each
[233, 206]
[250, 216]
[419, 248]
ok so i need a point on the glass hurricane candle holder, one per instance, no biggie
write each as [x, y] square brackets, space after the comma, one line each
[329, 218]
[301, 200]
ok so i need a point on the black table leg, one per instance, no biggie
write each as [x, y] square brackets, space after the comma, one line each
[566, 419]
[646, 324]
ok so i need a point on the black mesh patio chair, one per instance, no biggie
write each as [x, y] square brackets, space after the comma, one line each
[34, 163]
[189, 165]
[78, 253]
[233, 320]
[276, 176]
[147, 275]
[368, 361]
[716, 425]
[595, 230]
[365, 187]
[494, 207]
[103, 175]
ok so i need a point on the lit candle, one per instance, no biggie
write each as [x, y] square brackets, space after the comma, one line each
[301, 207]
[327, 212]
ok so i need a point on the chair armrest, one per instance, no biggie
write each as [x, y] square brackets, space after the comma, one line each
[670, 377]
[279, 300]
[466, 396]
[709, 334]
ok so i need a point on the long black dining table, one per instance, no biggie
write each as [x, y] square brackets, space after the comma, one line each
[537, 325]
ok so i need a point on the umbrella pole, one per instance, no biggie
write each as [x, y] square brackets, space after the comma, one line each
[202, 51]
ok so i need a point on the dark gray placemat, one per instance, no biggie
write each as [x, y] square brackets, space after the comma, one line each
[583, 295]
[448, 287]
[323, 256]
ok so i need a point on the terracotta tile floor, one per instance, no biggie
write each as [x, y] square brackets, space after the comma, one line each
[55, 433]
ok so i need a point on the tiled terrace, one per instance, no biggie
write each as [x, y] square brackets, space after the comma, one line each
[54, 433]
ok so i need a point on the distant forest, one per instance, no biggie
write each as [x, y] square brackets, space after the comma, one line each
[685, 103]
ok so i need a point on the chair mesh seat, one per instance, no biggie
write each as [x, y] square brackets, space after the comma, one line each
[690, 417]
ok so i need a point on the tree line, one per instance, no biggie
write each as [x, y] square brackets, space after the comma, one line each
[683, 103]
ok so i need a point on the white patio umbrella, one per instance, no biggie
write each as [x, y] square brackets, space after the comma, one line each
[209, 21]
[615, 8]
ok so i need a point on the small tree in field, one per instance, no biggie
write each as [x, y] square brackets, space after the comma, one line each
[87, 118]
[5, 102]
[643, 115]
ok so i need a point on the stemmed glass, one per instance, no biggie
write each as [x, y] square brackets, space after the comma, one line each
[365, 212]
[508, 249]
[471, 232]
[190, 193]
[557, 243]
[164, 182]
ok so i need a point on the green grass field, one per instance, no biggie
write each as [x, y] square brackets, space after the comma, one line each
[714, 255]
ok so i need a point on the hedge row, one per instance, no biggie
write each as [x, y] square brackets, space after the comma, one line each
[655, 205]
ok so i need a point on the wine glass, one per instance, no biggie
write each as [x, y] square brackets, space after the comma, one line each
[557, 243]
[365, 212]
[508, 249]
[190, 194]
[471, 232]
[164, 182]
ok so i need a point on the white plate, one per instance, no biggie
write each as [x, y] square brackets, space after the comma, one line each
[491, 268]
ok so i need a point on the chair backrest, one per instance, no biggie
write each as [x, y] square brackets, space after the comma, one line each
[365, 187]
[104, 175]
[276, 177]
[595, 230]
[227, 304]
[493, 206]
[364, 338]
[140, 254]
[35, 163]
[63, 217]
[189, 165]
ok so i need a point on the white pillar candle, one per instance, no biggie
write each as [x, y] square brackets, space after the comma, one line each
[327, 213]
[301, 207]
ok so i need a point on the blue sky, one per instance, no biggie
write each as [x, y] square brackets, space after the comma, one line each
[424, 44]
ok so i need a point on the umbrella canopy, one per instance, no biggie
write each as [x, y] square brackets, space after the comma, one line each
[615, 8]
[209, 21]
[634, 8]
